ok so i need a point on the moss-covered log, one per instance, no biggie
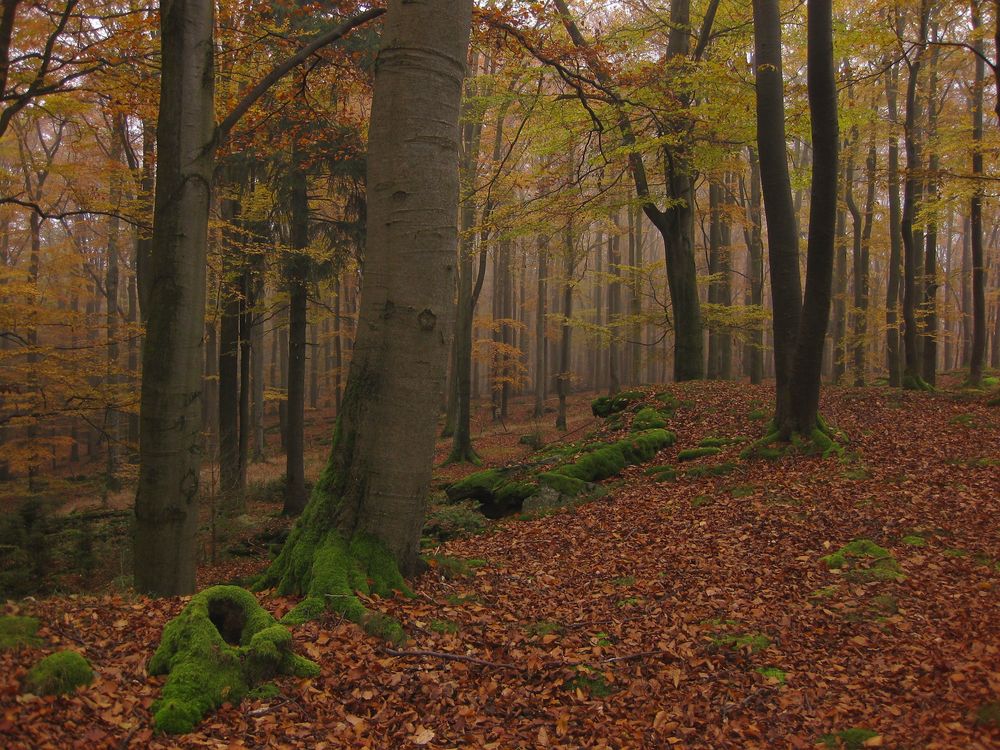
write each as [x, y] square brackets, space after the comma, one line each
[217, 649]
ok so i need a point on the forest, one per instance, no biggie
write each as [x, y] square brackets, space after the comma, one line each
[500, 374]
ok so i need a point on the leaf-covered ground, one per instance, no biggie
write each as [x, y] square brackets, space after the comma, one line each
[694, 613]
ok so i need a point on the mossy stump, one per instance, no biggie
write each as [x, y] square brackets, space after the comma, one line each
[59, 673]
[216, 650]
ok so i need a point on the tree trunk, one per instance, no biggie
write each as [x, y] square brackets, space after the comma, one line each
[614, 308]
[930, 313]
[755, 272]
[376, 482]
[112, 416]
[860, 259]
[563, 378]
[540, 310]
[895, 231]
[911, 199]
[978, 348]
[229, 363]
[840, 278]
[298, 301]
[782, 233]
[166, 506]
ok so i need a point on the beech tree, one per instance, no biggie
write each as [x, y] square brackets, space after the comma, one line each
[800, 323]
[364, 518]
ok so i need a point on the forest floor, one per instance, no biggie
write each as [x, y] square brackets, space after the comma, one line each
[692, 614]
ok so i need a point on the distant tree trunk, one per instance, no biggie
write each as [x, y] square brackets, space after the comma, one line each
[930, 317]
[911, 199]
[246, 331]
[166, 505]
[540, 303]
[895, 230]
[860, 260]
[755, 271]
[563, 378]
[257, 380]
[229, 364]
[978, 348]
[338, 346]
[614, 307]
[725, 289]
[597, 369]
[112, 416]
[298, 303]
[840, 278]
[966, 321]
[714, 268]
[635, 300]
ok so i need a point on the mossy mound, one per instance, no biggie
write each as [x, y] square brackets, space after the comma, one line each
[454, 521]
[18, 631]
[649, 418]
[605, 406]
[848, 739]
[58, 673]
[862, 559]
[779, 676]
[216, 650]
[720, 442]
[504, 492]
[692, 453]
[664, 473]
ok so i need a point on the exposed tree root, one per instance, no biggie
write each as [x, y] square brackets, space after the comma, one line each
[915, 383]
[823, 440]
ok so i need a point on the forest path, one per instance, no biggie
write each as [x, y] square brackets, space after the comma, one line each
[694, 613]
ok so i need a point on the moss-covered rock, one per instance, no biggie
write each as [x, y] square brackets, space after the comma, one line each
[58, 673]
[219, 647]
[605, 406]
[18, 631]
[649, 418]
[692, 453]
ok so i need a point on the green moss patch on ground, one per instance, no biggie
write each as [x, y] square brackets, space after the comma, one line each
[58, 673]
[216, 650]
[691, 454]
[17, 631]
[863, 560]
[848, 739]
[605, 406]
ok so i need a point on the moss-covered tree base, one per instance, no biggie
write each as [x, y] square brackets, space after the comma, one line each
[915, 383]
[464, 454]
[216, 650]
[822, 440]
[317, 563]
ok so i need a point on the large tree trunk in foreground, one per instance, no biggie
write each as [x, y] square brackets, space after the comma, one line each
[978, 345]
[782, 232]
[799, 351]
[166, 505]
[368, 507]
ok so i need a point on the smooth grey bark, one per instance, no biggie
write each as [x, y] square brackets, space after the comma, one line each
[892, 310]
[566, 332]
[379, 471]
[614, 308]
[755, 269]
[231, 290]
[929, 328]
[840, 275]
[861, 263]
[166, 506]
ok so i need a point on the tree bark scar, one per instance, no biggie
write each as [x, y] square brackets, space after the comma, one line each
[427, 320]
[388, 309]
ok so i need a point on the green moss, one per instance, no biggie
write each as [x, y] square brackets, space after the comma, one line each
[989, 715]
[58, 673]
[266, 692]
[624, 581]
[956, 552]
[742, 490]
[692, 453]
[591, 682]
[220, 646]
[605, 406]
[564, 485]
[663, 473]
[455, 521]
[848, 739]
[758, 415]
[477, 486]
[714, 470]
[884, 604]
[915, 383]
[649, 418]
[444, 626]
[826, 592]
[773, 673]
[629, 601]
[753, 641]
[18, 631]
[701, 501]
[544, 627]
[598, 464]
[912, 540]
[881, 565]
[720, 442]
